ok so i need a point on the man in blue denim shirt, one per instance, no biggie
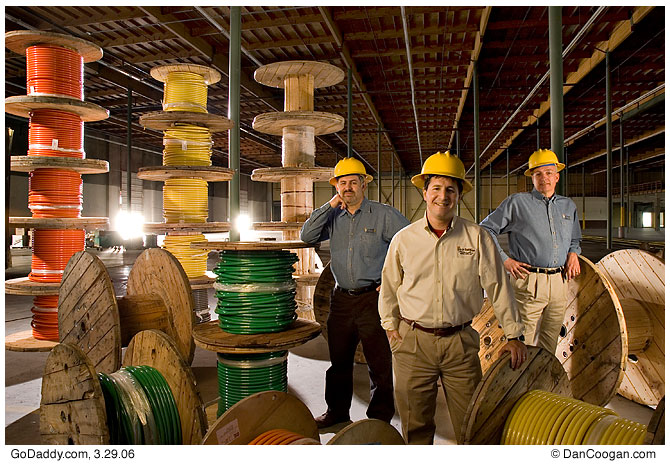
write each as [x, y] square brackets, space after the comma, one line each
[360, 231]
[544, 237]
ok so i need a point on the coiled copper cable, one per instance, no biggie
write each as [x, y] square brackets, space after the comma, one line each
[276, 437]
[52, 70]
[45, 318]
[52, 249]
[55, 193]
[55, 133]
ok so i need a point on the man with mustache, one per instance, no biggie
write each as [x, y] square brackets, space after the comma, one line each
[431, 289]
[544, 236]
[359, 231]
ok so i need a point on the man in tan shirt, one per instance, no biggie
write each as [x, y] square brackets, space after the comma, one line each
[431, 289]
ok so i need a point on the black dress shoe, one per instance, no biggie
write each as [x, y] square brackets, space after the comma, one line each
[329, 419]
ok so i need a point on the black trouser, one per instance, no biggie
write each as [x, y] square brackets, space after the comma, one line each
[354, 318]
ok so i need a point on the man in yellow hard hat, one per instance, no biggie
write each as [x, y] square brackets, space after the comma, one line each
[359, 231]
[544, 237]
[431, 289]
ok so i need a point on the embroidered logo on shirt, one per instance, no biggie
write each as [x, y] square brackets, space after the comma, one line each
[567, 217]
[370, 230]
[463, 251]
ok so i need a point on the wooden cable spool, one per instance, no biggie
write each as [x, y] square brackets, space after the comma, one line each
[638, 280]
[72, 409]
[324, 287]
[501, 388]
[93, 319]
[367, 431]
[592, 345]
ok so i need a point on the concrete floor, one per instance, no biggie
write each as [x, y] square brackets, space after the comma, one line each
[307, 366]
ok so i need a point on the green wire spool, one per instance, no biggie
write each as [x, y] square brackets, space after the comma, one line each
[255, 291]
[243, 375]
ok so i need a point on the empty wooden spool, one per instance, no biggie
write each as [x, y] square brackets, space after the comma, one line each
[92, 318]
[72, 409]
[638, 280]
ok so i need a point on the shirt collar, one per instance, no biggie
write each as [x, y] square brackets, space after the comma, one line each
[454, 223]
[365, 206]
[537, 195]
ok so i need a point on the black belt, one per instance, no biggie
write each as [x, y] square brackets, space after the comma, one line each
[442, 332]
[359, 291]
[545, 270]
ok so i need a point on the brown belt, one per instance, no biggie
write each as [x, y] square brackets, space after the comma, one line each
[442, 332]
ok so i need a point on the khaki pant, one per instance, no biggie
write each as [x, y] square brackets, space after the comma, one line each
[418, 361]
[541, 299]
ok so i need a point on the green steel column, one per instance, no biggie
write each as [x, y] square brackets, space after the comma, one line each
[458, 153]
[629, 207]
[537, 133]
[234, 71]
[507, 171]
[556, 87]
[392, 181]
[622, 208]
[350, 131]
[478, 175]
[490, 188]
[583, 196]
[129, 143]
[379, 163]
[608, 131]
[566, 173]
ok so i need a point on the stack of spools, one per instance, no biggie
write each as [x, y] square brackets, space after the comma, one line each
[56, 110]
[187, 139]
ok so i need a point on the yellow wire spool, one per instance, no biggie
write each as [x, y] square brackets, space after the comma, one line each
[185, 200]
[513, 419]
[185, 91]
[194, 261]
[597, 429]
[187, 145]
[549, 423]
[536, 412]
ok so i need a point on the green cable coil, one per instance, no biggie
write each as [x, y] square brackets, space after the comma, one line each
[241, 375]
[255, 291]
[540, 417]
[140, 407]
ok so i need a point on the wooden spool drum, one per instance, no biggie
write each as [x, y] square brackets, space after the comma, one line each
[92, 318]
[324, 287]
[501, 387]
[261, 412]
[638, 280]
[367, 431]
[592, 345]
[72, 409]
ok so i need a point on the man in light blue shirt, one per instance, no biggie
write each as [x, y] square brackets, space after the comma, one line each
[544, 237]
[360, 231]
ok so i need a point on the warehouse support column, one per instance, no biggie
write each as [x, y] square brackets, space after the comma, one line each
[556, 88]
[507, 177]
[458, 153]
[350, 128]
[234, 71]
[392, 181]
[583, 196]
[478, 175]
[490, 188]
[608, 132]
[379, 163]
[129, 143]
[622, 206]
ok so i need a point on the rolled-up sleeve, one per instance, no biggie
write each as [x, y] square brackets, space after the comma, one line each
[315, 230]
[392, 275]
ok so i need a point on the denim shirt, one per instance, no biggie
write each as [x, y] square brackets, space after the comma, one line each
[542, 231]
[358, 242]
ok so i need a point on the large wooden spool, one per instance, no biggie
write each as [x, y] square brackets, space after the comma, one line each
[324, 287]
[592, 344]
[638, 280]
[92, 318]
[72, 409]
[367, 431]
[501, 387]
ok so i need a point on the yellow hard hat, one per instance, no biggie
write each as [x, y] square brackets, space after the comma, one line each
[442, 163]
[349, 166]
[543, 157]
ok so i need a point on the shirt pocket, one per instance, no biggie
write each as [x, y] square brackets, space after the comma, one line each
[465, 272]
[371, 243]
[566, 222]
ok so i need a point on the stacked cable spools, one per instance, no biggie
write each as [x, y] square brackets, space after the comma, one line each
[297, 125]
[56, 160]
[187, 169]
[257, 318]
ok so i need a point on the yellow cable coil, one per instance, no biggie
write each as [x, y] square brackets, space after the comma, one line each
[185, 200]
[185, 91]
[194, 261]
[187, 145]
[541, 417]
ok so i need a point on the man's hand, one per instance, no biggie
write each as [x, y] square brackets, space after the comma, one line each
[336, 201]
[393, 335]
[517, 350]
[516, 268]
[572, 268]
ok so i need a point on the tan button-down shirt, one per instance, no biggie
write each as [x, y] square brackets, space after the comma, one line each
[438, 282]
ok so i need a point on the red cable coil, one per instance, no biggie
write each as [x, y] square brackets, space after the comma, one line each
[52, 249]
[55, 193]
[55, 133]
[45, 318]
[55, 71]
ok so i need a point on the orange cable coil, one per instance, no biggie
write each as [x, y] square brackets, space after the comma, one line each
[55, 133]
[52, 249]
[52, 70]
[55, 193]
[276, 437]
[45, 318]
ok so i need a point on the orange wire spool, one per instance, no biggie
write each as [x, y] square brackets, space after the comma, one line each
[276, 437]
[45, 318]
[52, 249]
[55, 133]
[54, 71]
[55, 193]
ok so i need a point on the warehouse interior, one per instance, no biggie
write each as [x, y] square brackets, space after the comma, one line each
[416, 80]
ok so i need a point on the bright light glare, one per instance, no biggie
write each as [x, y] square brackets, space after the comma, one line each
[129, 225]
[243, 223]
